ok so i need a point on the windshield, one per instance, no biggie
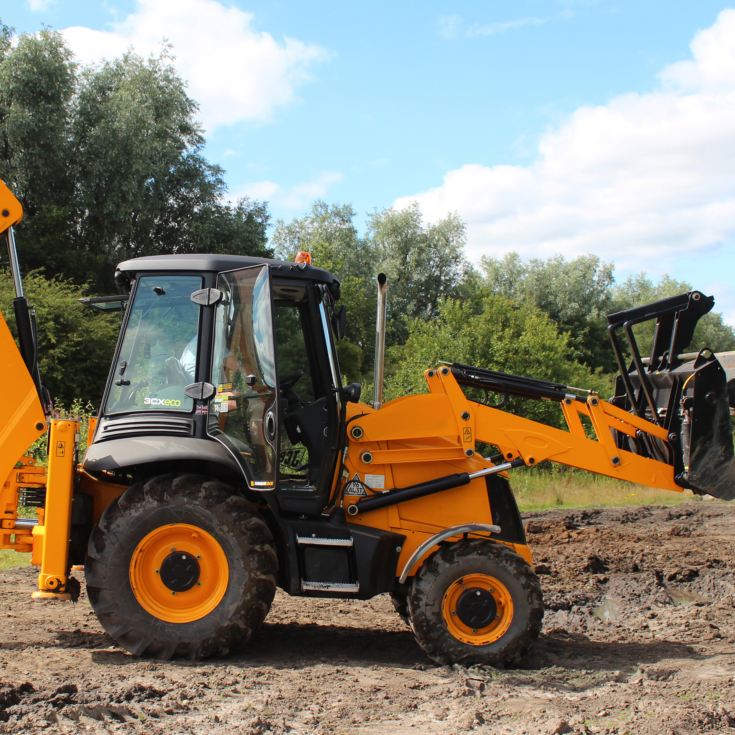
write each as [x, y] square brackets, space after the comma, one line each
[158, 355]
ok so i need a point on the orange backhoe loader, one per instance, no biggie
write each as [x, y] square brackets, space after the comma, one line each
[229, 459]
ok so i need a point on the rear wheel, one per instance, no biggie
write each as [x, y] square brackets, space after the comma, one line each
[180, 566]
[475, 601]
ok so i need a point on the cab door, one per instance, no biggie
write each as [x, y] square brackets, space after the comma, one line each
[244, 411]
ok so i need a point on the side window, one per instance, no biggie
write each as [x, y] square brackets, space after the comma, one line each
[294, 366]
[158, 354]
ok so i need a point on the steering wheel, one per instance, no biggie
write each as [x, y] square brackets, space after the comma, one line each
[129, 396]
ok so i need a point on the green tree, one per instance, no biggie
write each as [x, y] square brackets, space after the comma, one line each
[108, 163]
[37, 84]
[498, 334]
[328, 232]
[576, 294]
[424, 264]
[75, 343]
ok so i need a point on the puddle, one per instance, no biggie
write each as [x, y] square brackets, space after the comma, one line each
[683, 597]
[608, 609]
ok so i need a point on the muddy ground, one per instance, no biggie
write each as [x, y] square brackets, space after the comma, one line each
[639, 637]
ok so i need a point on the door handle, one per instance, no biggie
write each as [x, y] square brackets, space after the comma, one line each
[270, 426]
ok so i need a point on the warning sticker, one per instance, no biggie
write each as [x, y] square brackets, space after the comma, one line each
[354, 487]
[375, 482]
[467, 434]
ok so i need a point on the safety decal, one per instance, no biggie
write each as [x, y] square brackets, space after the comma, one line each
[224, 387]
[354, 487]
[467, 435]
[202, 408]
[375, 482]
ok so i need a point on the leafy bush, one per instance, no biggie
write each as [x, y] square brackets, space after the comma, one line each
[75, 343]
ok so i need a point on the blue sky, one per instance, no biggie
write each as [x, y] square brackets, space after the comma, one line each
[566, 126]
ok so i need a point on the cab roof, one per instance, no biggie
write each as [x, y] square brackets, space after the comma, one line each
[217, 263]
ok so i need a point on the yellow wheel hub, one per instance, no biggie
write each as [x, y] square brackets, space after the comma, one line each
[179, 573]
[477, 609]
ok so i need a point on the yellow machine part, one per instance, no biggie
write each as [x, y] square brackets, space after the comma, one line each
[22, 421]
[158, 599]
[11, 211]
[51, 535]
[418, 439]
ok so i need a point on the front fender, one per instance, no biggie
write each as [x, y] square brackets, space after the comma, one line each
[135, 453]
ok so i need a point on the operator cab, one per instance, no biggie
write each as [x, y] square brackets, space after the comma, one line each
[226, 365]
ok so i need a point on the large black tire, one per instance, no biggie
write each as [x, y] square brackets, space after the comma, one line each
[243, 563]
[400, 604]
[442, 595]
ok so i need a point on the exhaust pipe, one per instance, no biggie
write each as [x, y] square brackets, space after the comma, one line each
[380, 340]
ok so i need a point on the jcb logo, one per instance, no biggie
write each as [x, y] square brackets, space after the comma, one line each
[167, 402]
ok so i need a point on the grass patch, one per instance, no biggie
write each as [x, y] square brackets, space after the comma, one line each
[12, 559]
[541, 489]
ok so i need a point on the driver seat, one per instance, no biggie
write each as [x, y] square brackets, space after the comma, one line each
[309, 426]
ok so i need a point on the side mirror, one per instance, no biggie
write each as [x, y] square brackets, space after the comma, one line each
[351, 393]
[339, 322]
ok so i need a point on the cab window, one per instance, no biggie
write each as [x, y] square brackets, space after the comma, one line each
[157, 358]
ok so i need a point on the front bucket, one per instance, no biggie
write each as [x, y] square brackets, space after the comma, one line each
[710, 468]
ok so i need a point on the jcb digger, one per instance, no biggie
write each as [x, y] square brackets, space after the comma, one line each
[229, 459]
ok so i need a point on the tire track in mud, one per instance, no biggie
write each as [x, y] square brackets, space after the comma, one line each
[639, 637]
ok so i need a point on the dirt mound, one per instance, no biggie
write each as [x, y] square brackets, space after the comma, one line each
[638, 638]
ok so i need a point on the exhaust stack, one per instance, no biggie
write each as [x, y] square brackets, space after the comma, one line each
[380, 340]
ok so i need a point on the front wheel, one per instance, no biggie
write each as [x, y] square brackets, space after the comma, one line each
[179, 566]
[475, 601]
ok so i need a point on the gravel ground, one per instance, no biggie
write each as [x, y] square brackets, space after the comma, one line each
[639, 637]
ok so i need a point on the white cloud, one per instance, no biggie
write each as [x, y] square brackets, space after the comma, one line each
[503, 26]
[39, 6]
[234, 71]
[452, 27]
[643, 180]
[294, 198]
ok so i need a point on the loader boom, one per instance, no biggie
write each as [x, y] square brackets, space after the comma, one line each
[22, 421]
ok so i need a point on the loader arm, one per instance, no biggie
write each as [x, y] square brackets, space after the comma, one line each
[517, 437]
[22, 417]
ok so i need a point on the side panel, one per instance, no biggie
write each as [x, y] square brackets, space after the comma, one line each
[412, 440]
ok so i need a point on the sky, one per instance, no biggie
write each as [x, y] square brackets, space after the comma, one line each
[550, 126]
